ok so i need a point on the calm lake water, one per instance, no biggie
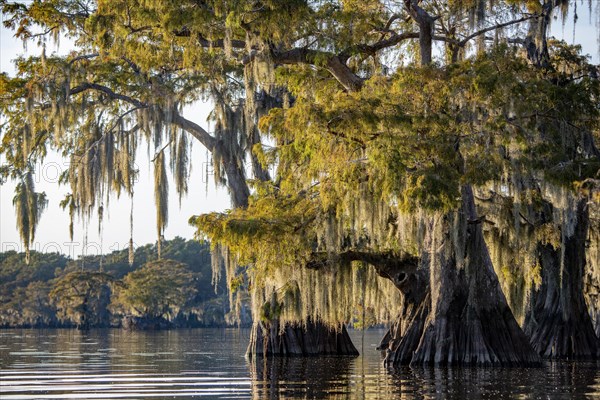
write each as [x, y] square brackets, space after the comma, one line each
[210, 363]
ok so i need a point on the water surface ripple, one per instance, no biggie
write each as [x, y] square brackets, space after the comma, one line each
[210, 363]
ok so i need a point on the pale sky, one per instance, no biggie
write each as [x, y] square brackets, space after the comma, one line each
[53, 231]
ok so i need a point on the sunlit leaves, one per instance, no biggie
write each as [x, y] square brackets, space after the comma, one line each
[409, 142]
[82, 297]
[157, 290]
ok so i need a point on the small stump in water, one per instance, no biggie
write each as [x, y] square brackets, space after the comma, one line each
[134, 323]
[310, 339]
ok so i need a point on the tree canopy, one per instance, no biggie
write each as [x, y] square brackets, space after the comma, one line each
[25, 289]
[137, 64]
[82, 297]
[347, 132]
[157, 290]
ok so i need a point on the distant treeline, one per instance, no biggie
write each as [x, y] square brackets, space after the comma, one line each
[101, 291]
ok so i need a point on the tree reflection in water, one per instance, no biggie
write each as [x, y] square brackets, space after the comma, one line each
[304, 377]
[349, 378]
[209, 363]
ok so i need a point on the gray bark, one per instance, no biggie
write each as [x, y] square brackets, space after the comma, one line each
[314, 338]
[426, 25]
[463, 317]
[592, 294]
[557, 320]
[536, 43]
[236, 179]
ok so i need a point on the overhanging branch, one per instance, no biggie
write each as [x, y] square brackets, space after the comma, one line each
[402, 269]
[386, 263]
[109, 92]
[333, 63]
[189, 126]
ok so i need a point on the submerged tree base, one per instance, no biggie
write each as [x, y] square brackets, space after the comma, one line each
[458, 315]
[557, 321]
[571, 339]
[466, 336]
[310, 339]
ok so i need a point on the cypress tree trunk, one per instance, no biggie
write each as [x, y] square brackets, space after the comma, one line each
[557, 320]
[236, 181]
[592, 277]
[403, 337]
[314, 338]
[535, 42]
[426, 27]
[463, 317]
[592, 294]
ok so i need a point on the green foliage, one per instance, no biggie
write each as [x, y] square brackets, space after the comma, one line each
[82, 297]
[14, 271]
[411, 140]
[157, 290]
[25, 289]
[364, 142]
[29, 306]
[349, 162]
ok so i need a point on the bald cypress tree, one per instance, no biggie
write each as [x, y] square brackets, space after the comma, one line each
[384, 124]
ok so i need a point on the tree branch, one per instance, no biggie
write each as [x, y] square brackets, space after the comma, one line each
[195, 130]
[464, 41]
[393, 40]
[83, 57]
[402, 269]
[189, 126]
[386, 263]
[333, 63]
[109, 92]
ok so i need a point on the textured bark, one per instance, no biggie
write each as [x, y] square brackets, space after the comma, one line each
[536, 43]
[259, 172]
[592, 295]
[314, 338]
[236, 180]
[402, 339]
[557, 320]
[391, 265]
[426, 24]
[461, 317]
[592, 275]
